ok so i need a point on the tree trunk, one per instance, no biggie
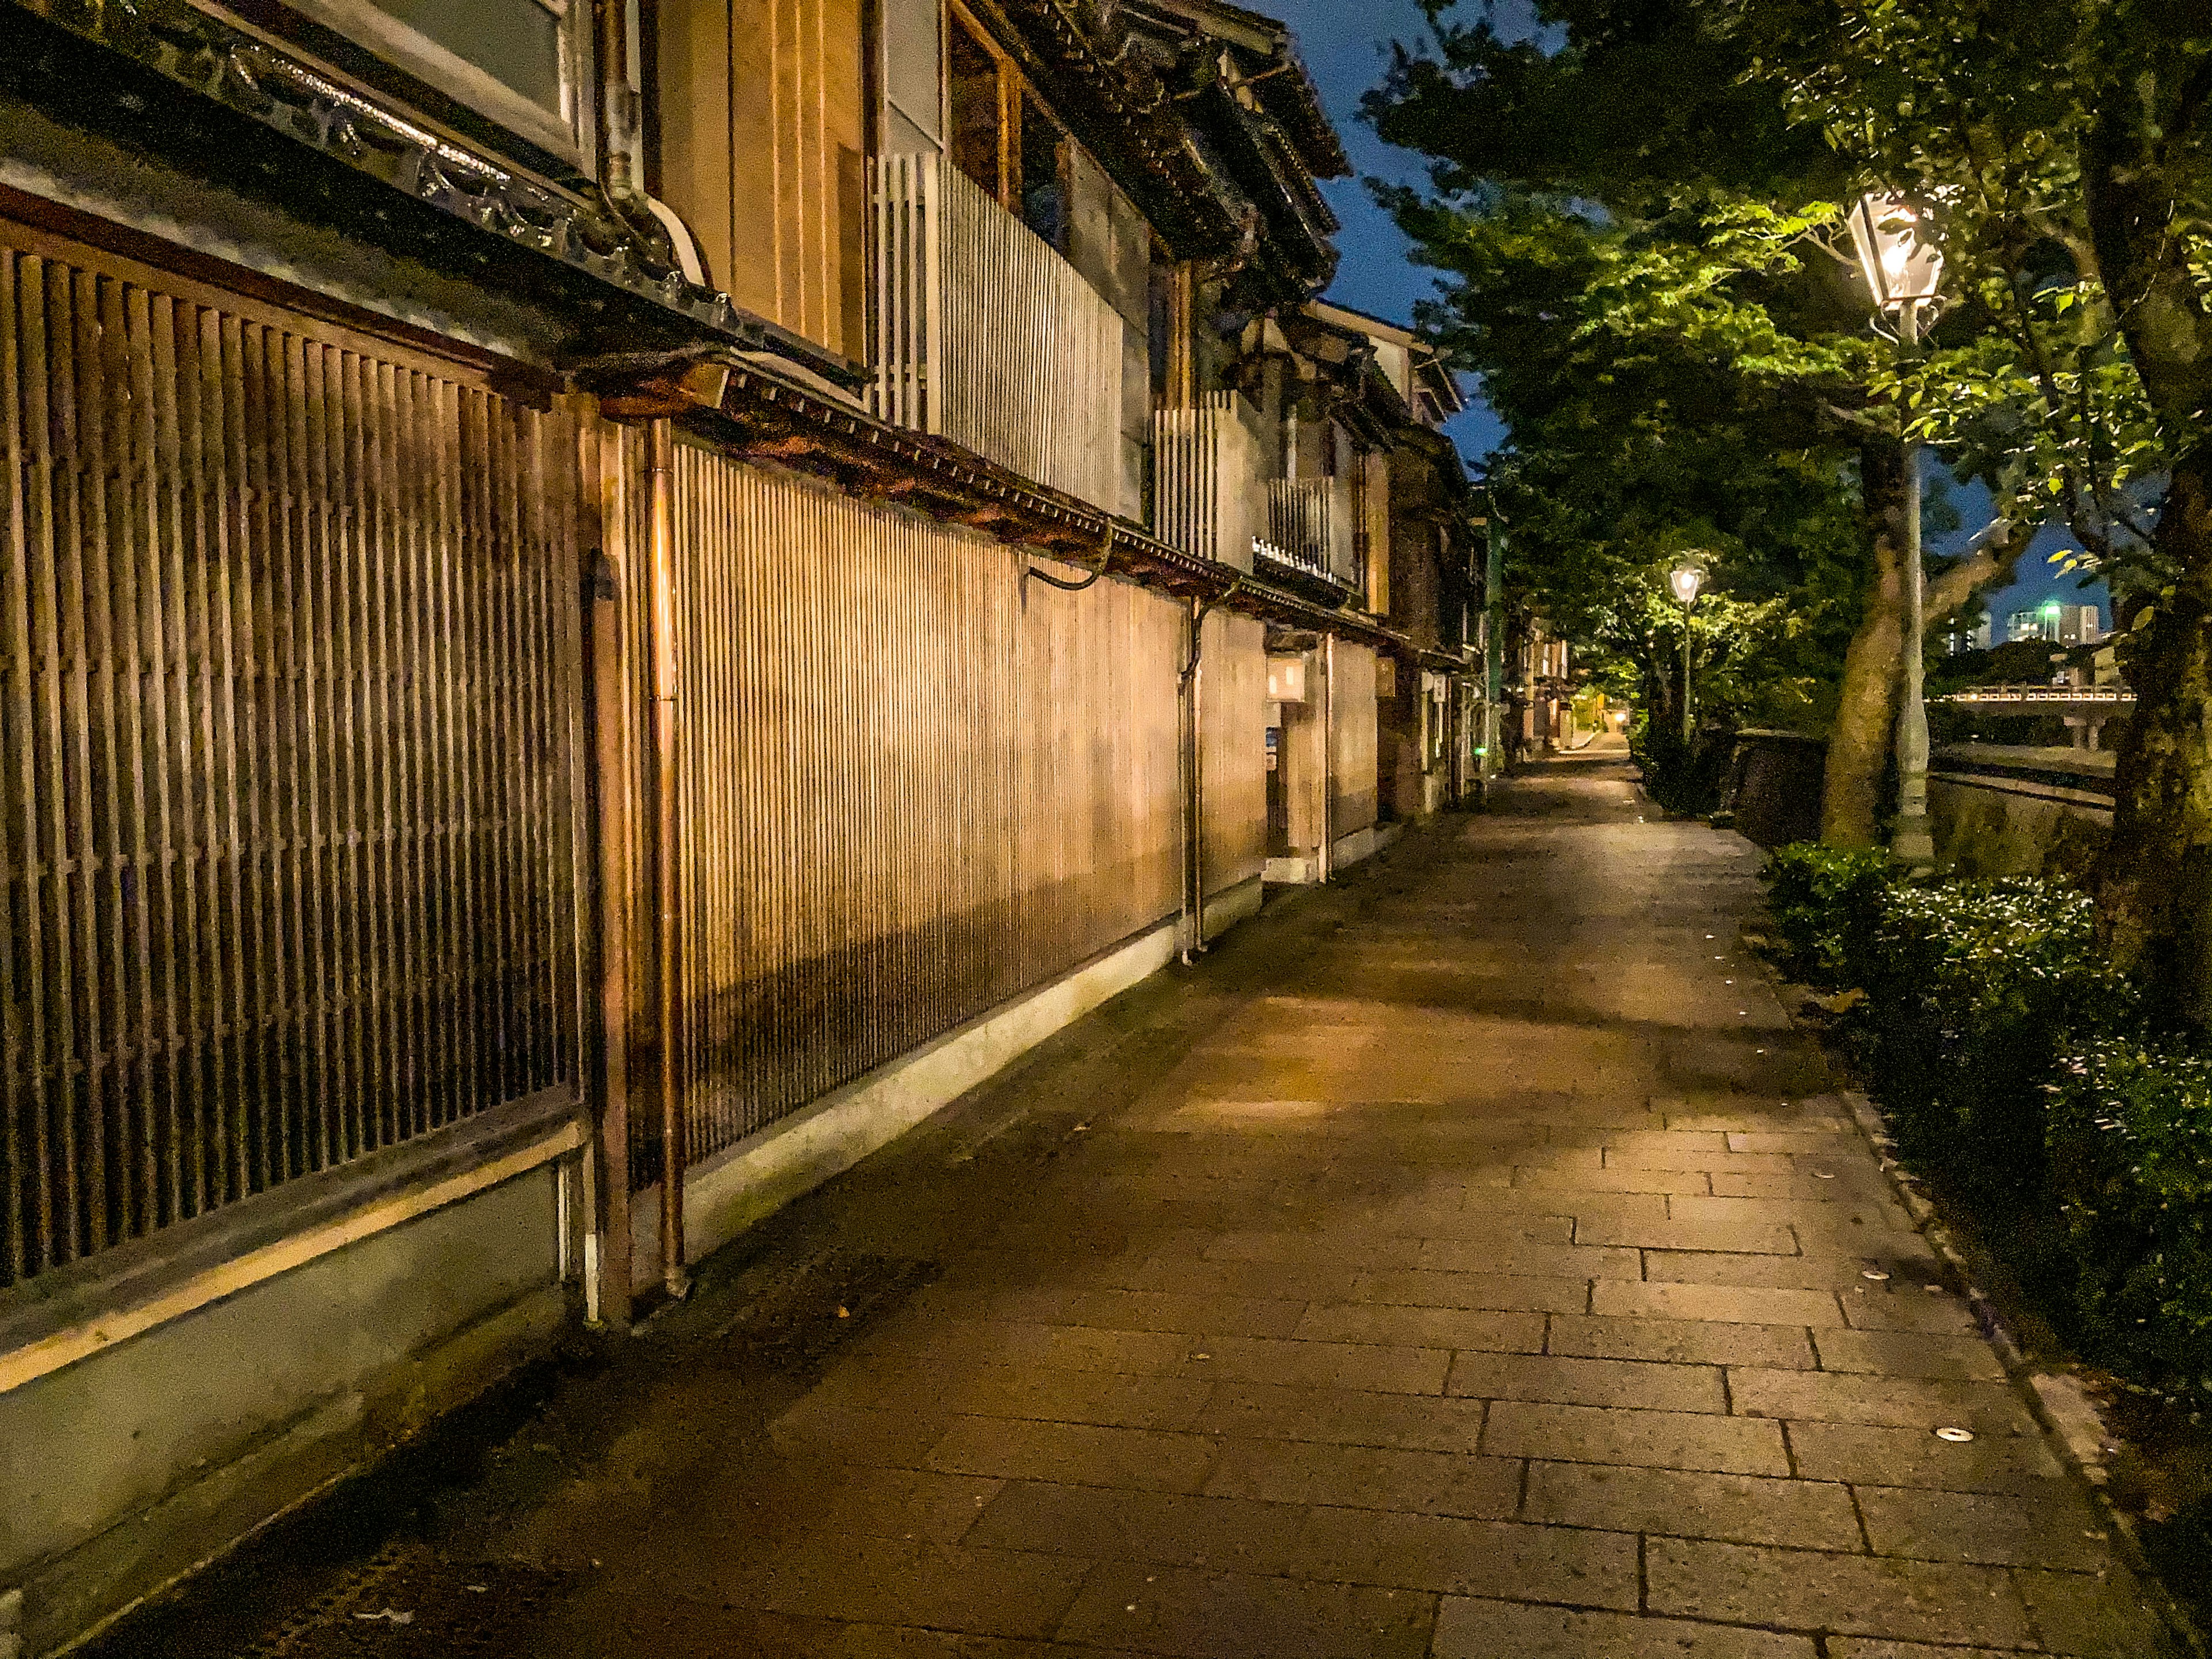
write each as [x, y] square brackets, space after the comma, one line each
[2153, 881]
[1866, 710]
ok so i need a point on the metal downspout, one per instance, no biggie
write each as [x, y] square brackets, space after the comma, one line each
[661, 558]
[1323, 864]
[1192, 685]
[611, 770]
[1193, 792]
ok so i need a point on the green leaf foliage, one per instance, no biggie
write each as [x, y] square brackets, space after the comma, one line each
[2130, 1152]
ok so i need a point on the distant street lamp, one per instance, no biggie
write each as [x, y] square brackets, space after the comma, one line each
[1684, 579]
[1903, 270]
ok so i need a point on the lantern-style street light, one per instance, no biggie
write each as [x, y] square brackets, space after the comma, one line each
[1684, 579]
[1904, 268]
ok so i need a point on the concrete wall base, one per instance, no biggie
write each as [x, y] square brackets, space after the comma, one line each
[143, 1461]
[1225, 909]
[753, 1180]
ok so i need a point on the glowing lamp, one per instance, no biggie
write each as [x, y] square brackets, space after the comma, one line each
[1686, 579]
[1903, 264]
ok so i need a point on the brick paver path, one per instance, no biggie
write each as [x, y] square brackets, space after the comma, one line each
[1469, 1262]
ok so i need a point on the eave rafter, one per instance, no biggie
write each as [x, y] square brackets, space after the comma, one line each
[750, 414]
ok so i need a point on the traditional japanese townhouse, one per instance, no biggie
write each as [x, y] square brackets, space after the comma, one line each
[601, 606]
[1424, 570]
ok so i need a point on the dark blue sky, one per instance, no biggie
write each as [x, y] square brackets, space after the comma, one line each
[1346, 43]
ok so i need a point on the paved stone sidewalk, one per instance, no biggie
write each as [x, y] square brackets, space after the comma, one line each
[1470, 1263]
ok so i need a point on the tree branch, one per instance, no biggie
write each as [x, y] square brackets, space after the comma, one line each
[1989, 558]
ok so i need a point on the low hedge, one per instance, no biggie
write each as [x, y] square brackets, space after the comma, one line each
[2130, 1130]
[2015, 1067]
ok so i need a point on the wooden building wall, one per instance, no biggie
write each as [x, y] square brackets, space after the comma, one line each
[1352, 759]
[763, 127]
[286, 748]
[1235, 750]
[913, 786]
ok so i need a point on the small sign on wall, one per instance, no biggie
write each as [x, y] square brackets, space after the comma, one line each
[1386, 677]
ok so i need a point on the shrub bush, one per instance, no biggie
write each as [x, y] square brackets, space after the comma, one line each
[1974, 990]
[1827, 901]
[2129, 1134]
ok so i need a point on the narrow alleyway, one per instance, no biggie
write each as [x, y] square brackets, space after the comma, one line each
[1464, 1261]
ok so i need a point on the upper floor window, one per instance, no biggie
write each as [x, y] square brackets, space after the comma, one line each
[514, 62]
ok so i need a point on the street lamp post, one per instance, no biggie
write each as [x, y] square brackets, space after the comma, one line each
[1904, 270]
[1684, 579]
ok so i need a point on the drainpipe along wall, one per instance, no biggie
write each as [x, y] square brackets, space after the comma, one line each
[1194, 788]
[661, 558]
[1322, 861]
[611, 773]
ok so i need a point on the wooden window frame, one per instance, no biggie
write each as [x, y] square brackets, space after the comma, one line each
[407, 49]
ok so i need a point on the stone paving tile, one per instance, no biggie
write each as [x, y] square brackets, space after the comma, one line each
[1680, 1342]
[1368, 1477]
[2095, 1617]
[1344, 1417]
[1255, 1280]
[1224, 1533]
[1742, 1237]
[1859, 1647]
[1509, 1292]
[1818, 1143]
[1938, 1314]
[1726, 1303]
[1364, 1365]
[1907, 1353]
[1568, 1564]
[1636, 1384]
[1987, 1408]
[1820, 1269]
[895, 1384]
[1740, 1509]
[892, 1582]
[686, 1626]
[1852, 1594]
[1081, 1454]
[1559, 1260]
[857, 1434]
[1159, 1310]
[1632, 1180]
[1005, 1342]
[1497, 1331]
[1244, 1616]
[1867, 1187]
[1915, 1457]
[1884, 1216]
[1471, 1629]
[1702, 1162]
[1596, 1434]
[2059, 1532]
[886, 1503]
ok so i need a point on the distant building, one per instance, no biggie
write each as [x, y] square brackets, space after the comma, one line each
[2060, 624]
[2078, 624]
[1976, 637]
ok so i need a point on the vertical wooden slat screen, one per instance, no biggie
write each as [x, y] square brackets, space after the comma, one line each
[988, 336]
[1235, 733]
[1353, 736]
[285, 733]
[1207, 480]
[908, 791]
